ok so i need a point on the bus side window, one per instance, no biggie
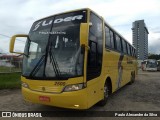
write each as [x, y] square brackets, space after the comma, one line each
[96, 47]
[112, 39]
[118, 43]
[135, 54]
[128, 48]
[93, 54]
[107, 37]
[124, 46]
[131, 50]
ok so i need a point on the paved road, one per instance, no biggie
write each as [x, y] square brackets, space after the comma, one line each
[143, 95]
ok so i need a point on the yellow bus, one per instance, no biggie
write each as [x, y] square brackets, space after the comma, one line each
[74, 60]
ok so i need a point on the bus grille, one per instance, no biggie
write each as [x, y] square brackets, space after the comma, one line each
[47, 89]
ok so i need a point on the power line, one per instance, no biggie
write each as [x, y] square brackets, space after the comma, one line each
[11, 37]
[5, 35]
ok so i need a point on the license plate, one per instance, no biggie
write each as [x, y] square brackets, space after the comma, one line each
[44, 98]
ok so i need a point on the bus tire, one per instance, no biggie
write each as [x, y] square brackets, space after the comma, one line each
[106, 91]
[132, 78]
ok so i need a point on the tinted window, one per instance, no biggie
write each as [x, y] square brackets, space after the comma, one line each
[135, 55]
[112, 39]
[107, 37]
[128, 48]
[95, 44]
[93, 54]
[132, 51]
[118, 43]
[124, 46]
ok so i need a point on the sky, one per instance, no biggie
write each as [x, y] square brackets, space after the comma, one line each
[17, 16]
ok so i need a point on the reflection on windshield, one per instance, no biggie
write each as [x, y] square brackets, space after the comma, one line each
[35, 49]
[63, 57]
[151, 64]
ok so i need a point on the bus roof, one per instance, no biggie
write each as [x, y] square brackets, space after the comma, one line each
[63, 13]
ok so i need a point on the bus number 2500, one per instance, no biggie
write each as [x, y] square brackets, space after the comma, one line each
[59, 83]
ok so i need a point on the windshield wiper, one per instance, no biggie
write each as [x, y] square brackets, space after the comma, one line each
[54, 64]
[37, 67]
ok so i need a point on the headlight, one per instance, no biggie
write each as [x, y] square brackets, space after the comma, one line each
[25, 85]
[74, 87]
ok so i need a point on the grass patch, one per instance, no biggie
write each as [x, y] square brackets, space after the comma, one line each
[10, 80]
[9, 69]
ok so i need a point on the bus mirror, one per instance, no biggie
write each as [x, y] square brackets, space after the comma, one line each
[17, 43]
[84, 31]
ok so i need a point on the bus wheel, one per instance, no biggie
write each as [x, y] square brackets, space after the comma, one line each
[106, 95]
[132, 78]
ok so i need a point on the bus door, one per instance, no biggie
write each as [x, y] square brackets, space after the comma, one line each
[94, 62]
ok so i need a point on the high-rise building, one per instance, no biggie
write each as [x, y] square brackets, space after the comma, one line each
[140, 39]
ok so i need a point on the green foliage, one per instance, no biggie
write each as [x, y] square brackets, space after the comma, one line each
[10, 80]
[154, 56]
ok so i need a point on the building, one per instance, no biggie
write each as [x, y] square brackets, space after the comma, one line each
[10, 61]
[140, 39]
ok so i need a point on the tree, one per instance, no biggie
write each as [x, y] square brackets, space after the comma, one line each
[154, 56]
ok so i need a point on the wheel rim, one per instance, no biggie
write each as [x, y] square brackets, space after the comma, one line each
[105, 91]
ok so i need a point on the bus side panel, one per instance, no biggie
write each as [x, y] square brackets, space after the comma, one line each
[123, 70]
[110, 64]
[95, 90]
[126, 70]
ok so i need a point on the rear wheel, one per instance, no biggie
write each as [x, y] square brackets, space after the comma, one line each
[132, 78]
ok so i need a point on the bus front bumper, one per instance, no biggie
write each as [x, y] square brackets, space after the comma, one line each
[72, 100]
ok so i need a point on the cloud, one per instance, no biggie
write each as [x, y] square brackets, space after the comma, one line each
[154, 48]
[154, 42]
[17, 16]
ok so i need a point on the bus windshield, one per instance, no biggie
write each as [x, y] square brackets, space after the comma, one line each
[53, 47]
[151, 64]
